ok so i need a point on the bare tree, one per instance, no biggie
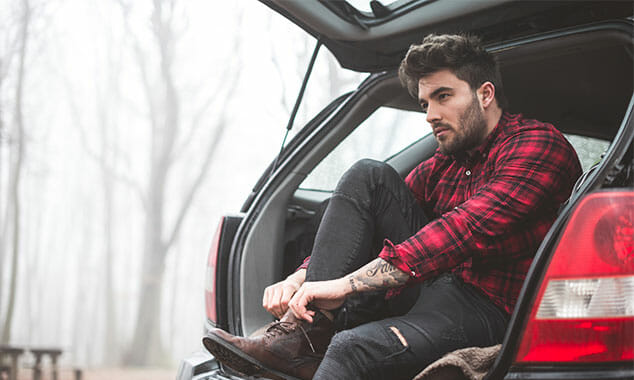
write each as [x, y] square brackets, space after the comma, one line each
[7, 56]
[4, 64]
[169, 138]
[106, 161]
[105, 157]
[16, 166]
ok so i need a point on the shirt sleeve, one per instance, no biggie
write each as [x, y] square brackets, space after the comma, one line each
[534, 172]
[304, 264]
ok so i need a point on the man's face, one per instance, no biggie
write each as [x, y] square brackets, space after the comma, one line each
[453, 110]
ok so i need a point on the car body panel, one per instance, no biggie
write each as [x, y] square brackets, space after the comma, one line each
[615, 155]
[378, 46]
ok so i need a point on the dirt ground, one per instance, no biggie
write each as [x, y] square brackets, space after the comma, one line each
[106, 374]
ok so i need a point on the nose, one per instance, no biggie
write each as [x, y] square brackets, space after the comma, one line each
[432, 114]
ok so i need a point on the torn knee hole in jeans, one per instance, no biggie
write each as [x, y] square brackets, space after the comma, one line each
[400, 336]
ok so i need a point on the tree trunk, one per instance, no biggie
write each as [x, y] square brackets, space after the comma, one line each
[107, 165]
[147, 346]
[111, 343]
[2, 218]
[16, 173]
[3, 134]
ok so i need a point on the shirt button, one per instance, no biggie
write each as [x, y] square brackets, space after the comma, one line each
[468, 172]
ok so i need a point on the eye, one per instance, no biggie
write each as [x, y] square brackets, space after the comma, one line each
[423, 106]
[443, 96]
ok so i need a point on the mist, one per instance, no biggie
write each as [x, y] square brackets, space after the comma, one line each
[127, 129]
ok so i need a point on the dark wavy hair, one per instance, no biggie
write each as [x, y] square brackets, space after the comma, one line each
[463, 55]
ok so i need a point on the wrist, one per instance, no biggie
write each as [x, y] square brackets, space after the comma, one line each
[293, 283]
[350, 285]
[297, 278]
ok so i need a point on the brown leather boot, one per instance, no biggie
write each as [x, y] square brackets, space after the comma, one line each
[290, 349]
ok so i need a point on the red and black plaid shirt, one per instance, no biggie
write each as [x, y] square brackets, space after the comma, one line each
[490, 210]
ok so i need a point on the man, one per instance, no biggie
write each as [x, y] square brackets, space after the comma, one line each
[408, 271]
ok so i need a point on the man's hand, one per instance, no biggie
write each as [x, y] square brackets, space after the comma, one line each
[328, 295]
[276, 297]
[324, 295]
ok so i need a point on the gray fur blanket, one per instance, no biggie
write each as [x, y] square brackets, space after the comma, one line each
[471, 363]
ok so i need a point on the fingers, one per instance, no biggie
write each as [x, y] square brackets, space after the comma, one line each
[298, 304]
[269, 300]
[292, 303]
[276, 297]
[266, 299]
[276, 305]
[287, 294]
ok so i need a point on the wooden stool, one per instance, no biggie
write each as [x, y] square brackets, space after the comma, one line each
[13, 353]
[5, 371]
[39, 353]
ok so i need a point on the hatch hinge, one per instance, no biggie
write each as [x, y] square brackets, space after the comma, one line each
[291, 119]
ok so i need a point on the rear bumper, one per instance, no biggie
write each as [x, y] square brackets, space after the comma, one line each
[198, 366]
[588, 374]
[203, 366]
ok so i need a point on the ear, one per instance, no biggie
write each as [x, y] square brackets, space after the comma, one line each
[486, 94]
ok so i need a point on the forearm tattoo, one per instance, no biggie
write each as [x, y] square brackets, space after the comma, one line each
[376, 275]
[352, 285]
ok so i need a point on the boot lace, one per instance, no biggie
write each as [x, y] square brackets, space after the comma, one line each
[280, 327]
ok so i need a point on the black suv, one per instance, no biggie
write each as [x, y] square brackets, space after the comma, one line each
[570, 63]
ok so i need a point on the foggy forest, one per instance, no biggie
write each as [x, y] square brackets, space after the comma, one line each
[127, 128]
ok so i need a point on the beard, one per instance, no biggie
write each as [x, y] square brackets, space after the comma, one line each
[470, 133]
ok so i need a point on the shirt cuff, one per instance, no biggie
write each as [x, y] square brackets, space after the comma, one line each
[391, 255]
[304, 264]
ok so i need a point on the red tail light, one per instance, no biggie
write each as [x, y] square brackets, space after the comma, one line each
[210, 278]
[584, 310]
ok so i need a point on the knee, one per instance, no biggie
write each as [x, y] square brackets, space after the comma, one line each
[344, 342]
[368, 165]
[346, 356]
[367, 170]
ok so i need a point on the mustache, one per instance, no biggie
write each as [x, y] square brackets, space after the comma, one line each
[441, 125]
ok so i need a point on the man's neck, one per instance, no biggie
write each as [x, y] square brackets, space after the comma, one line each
[492, 117]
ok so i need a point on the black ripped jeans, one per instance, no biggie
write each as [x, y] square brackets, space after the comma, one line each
[395, 338]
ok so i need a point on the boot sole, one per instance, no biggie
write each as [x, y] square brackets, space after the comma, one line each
[232, 357]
